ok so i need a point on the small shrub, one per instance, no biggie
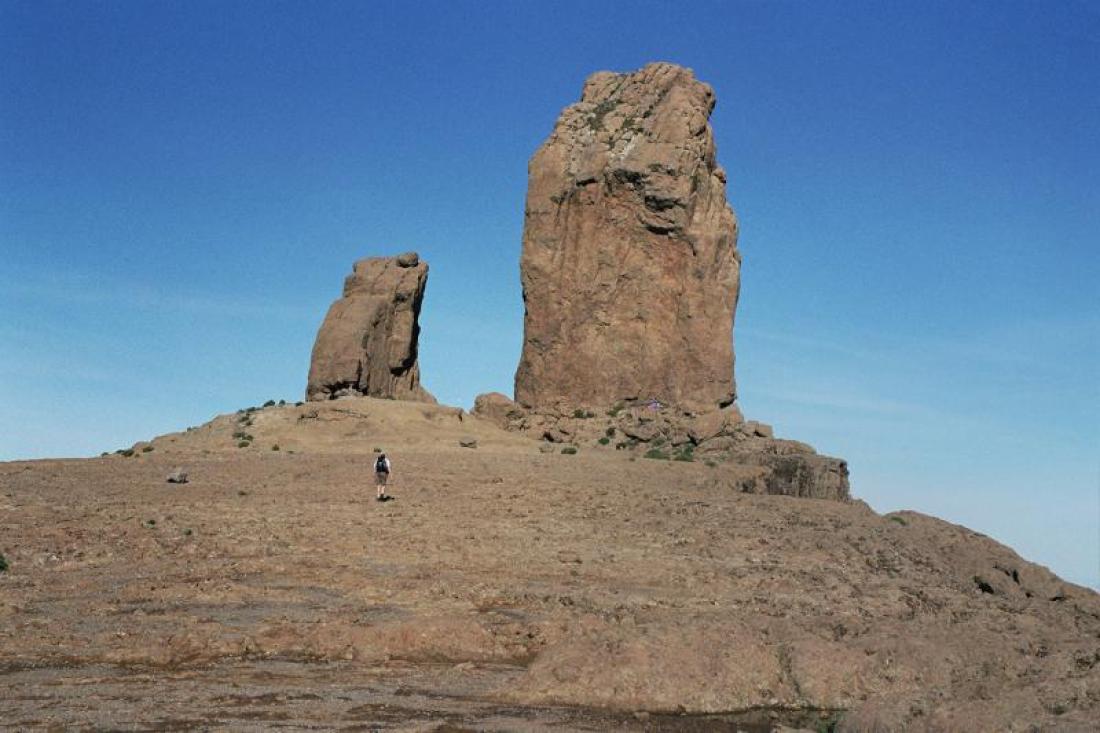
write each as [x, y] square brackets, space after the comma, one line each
[656, 454]
[298, 404]
[578, 413]
[104, 453]
[239, 435]
[710, 464]
[658, 441]
[187, 532]
[275, 447]
[604, 440]
[147, 449]
[150, 522]
[569, 450]
[610, 432]
[829, 725]
[614, 411]
[686, 453]
[3, 563]
[282, 402]
[376, 449]
[899, 520]
[621, 446]
[244, 444]
[269, 403]
[127, 452]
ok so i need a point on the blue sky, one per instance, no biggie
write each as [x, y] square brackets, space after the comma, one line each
[183, 187]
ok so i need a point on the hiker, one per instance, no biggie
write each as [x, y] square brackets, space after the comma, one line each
[381, 475]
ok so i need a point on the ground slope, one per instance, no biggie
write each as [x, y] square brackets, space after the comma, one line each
[504, 588]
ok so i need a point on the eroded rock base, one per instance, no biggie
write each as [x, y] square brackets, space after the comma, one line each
[721, 439]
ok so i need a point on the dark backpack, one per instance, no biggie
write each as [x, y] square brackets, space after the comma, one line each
[380, 465]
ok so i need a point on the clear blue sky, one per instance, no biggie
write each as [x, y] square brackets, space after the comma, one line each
[183, 187]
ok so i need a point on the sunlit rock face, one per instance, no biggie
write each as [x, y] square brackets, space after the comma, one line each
[630, 267]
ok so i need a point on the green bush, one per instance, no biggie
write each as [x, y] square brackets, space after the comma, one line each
[686, 453]
[244, 444]
[147, 449]
[282, 402]
[899, 520]
[604, 440]
[298, 404]
[126, 452]
[569, 450]
[610, 432]
[275, 447]
[269, 403]
[656, 454]
[3, 563]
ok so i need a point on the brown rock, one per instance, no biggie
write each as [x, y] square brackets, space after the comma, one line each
[713, 423]
[497, 408]
[758, 429]
[630, 267]
[367, 344]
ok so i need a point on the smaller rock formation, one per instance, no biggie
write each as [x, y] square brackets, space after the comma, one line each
[367, 344]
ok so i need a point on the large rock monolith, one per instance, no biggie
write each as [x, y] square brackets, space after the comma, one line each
[630, 267]
[367, 344]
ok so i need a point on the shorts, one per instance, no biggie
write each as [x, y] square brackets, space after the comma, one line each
[380, 478]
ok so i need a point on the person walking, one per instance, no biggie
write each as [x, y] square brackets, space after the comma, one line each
[382, 467]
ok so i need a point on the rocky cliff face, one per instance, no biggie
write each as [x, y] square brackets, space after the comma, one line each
[630, 267]
[367, 344]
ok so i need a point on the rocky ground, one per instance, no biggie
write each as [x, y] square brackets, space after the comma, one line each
[503, 589]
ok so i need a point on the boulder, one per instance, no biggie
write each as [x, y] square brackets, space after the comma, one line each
[804, 475]
[713, 423]
[630, 268]
[497, 408]
[758, 429]
[367, 344]
[178, 476]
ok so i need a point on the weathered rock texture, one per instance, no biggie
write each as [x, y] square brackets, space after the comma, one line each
[630, 266]
[367, 344]
[747, 455]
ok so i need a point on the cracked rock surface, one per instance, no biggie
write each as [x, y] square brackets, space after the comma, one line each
[630, 267]
[367, 344]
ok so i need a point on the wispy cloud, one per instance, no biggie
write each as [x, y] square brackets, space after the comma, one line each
[81, 290]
